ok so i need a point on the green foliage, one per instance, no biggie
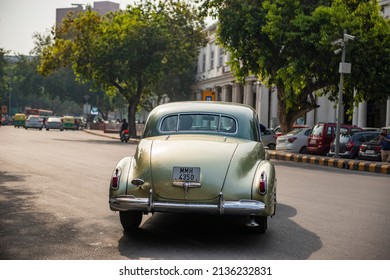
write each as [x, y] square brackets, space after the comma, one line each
[287, 43]
[131, 51]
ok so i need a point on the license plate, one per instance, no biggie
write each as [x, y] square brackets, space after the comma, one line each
[370, 152]
[186, 174]
[313, 141]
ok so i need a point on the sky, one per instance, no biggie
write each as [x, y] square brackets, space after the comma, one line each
[20, 19]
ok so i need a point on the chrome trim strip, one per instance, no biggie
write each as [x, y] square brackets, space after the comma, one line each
[240, 207]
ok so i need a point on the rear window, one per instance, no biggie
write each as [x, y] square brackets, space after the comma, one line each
[344, 138]
[199, 122]
[317, 130]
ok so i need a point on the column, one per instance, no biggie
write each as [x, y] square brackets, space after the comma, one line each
[236, 93]
[262, 100]
[388, 112]
[248, 94]
[362, 114]
[274, 120]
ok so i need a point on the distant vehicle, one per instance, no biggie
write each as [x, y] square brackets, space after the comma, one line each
[197, 157]
[33, 121]
[268, 137]
[19, 120]
[295, 141]
[278, 130]
[371, 150]
[322, 135]
[39, 112]
[350, 143]
[54, 123]
[68, 122]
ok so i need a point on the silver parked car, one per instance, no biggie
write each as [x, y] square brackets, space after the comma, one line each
[268, 137]
[295, 141]
[54, 123]
[33, 121]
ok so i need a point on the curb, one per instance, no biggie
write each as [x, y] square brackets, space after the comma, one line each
[383, 168]
[358, 165]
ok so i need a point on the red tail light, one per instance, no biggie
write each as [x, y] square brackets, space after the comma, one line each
[263, 184]
[115, 180]
[291, 140]
[350, 145]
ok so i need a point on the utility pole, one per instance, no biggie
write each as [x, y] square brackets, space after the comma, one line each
[343, 68]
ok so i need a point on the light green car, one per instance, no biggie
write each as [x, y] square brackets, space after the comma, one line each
[197, 157]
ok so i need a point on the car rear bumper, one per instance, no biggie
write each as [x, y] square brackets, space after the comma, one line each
[239, 207]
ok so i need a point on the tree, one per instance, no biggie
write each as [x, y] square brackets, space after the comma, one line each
[129, 50]
[287, 44]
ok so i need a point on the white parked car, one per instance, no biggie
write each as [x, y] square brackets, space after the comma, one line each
[295, 141]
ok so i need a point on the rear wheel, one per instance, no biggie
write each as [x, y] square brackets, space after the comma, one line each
[272, 146]
[130, 220]
[303, 150]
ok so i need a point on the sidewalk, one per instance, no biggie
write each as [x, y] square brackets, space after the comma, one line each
[359, 165]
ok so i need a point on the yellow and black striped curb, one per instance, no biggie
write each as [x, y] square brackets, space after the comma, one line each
[377, 167]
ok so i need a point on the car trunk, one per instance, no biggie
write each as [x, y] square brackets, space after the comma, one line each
[206, 158]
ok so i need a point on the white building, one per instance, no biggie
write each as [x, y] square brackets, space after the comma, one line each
[215, 81]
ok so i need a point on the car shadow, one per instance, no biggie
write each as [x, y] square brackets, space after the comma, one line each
[189, 236]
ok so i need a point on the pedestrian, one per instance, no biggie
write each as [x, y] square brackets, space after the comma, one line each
[384, 141]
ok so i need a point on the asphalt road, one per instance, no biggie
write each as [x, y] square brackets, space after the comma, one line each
[54, 205]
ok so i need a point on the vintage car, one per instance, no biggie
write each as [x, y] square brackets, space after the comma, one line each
[197, 157]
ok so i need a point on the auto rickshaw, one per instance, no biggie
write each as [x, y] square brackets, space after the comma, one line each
[19, 120]
[68, 122]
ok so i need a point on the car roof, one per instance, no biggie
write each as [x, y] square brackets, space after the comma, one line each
[245, 115]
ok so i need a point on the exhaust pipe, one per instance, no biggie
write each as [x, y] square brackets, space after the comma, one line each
[252, 223]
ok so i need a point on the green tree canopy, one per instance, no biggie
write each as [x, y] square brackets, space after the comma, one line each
[130, 51]
[288, 45]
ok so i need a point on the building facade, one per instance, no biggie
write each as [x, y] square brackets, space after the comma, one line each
[102, 7]
[215, 81]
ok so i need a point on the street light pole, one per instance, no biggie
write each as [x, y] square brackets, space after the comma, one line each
[343, 68]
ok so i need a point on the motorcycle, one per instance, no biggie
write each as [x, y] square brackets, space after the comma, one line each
[125, 135]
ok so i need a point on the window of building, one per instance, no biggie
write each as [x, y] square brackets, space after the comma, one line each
[220, 57]
[212, 54]
[204, 63]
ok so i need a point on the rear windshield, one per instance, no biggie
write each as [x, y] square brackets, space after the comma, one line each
[199, 122]
[344, 138]
[317, 130]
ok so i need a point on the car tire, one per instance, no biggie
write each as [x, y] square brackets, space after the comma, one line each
[263, 225]
[130, 220]
[303, 150]
[271, 146]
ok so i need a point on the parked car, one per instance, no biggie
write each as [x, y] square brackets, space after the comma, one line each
[322, 135]
[33, 121]
[350, 143]
[268, 137]
[197, 157]
[295, 141]
[278, 130]
[54, 123]
[371, 150]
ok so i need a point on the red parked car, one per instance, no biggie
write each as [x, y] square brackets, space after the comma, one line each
[323, 134]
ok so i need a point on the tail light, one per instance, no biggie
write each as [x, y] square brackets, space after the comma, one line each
[263, 184]
[291, 140]
[350, 145]
[115, 180]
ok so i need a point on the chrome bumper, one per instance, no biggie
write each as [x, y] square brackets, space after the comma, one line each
[240, 207]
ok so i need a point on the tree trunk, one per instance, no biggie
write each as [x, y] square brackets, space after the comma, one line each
[286, 117]
[131, 110]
